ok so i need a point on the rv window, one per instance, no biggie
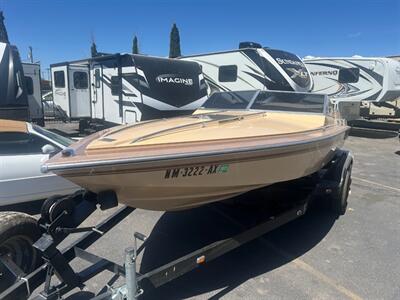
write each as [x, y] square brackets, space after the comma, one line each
[349, 75]
[80, 80]
[115, 85]
[227, 73]
[59, 79]
[29, 85]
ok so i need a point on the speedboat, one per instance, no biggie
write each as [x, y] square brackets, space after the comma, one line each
[236, 142]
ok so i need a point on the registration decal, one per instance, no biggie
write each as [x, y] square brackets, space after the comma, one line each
[196, 171]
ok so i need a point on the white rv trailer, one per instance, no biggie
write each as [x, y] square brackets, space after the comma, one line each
[33, 90]
[253, 67]
[126, 88]
[350, 80]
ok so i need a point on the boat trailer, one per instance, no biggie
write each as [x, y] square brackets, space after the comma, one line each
[61, 216]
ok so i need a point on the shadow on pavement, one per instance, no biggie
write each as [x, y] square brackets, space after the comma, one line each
[179, 233]
[372, 133]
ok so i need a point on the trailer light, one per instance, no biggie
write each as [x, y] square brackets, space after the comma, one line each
[201, 260]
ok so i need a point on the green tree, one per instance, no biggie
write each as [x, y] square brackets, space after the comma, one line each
[93, 49]
[3, 30]
[175, 43]
[135, 47]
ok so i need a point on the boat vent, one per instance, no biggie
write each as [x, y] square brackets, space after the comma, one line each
[68, 152]
[107, 139]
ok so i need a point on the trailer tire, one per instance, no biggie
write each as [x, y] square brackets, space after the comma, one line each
[339, 200]
[18, 232]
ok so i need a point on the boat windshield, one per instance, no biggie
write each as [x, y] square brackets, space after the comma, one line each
[230, 100]
[284, 101]
[268, 100]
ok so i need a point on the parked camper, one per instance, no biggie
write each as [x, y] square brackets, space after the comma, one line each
[350, 80]
[253, 67]
[33, 90]
[13, 96]
[126, 88]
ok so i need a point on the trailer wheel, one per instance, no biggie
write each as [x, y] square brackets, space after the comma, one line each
[45, 209]
[18, 232]
[339, 201]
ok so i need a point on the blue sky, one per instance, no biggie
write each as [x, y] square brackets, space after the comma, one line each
[62, 30]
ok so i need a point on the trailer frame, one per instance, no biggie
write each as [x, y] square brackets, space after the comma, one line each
[61, 218]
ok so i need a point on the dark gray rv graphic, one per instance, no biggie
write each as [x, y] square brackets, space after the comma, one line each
[126, 88]
[13, 97]
[253, 67]
[356, 78]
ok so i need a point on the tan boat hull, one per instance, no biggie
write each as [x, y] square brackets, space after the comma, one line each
[165, 188]
[185, 162]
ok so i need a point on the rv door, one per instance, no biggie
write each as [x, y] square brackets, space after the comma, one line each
[79, 91]
[60, 90]
[33, 90]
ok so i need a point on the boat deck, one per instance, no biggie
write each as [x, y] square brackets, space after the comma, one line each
[201, 127]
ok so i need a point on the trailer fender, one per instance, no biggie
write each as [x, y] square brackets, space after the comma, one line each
[336, 182]
[342, 161]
